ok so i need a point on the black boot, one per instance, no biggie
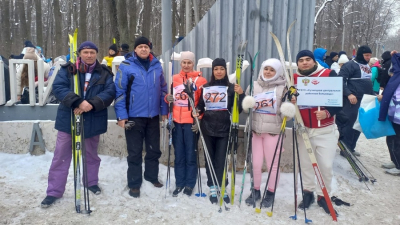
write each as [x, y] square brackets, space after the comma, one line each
[48, 201]
[322, 203]
[213, 195]
[188, 191]
[267, 201]
[95, 189]
[308, 199]
[251, 199]
[177, 191]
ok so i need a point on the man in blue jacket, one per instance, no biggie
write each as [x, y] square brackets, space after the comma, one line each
[356, 82]
[98, 92]
[141, 88]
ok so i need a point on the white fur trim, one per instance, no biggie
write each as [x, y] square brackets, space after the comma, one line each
[248, 102]
[288, 109]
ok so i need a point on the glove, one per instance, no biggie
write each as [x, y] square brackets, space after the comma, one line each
[195, 127]
[170, 98]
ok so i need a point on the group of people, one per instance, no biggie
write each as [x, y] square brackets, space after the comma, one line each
[141, 96]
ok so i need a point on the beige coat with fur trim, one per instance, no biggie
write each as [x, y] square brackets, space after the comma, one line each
[265, 123]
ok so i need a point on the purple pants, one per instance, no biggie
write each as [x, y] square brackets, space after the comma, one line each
[62, 159]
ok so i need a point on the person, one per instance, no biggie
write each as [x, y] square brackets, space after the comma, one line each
[22, 76]
[319, 54]
[333, 56]
[375, 68]
[98, 92]
[342, 53]
[124, 49]
[41, 55]
[27, 44]
[141, 89]
[342, 60]
[390, 104]
[266, 125]
[185, 126]
[112, 52]
[356, 82]
[215, 124]
[323, 138]
[386, 63]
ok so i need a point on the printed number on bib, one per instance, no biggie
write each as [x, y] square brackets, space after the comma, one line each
[216, 97]
[265, 103]
[180, 97]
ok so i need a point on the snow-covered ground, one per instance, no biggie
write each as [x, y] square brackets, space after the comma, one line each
[23, 183]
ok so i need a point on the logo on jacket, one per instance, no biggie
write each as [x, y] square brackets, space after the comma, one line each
[305, 81]
[315, 82]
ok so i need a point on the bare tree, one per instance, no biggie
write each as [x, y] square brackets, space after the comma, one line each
[82, 33]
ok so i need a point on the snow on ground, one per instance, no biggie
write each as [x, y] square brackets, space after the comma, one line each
[23, 183]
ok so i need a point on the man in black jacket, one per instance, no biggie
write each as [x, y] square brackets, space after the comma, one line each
[384, 77]
[356, 82]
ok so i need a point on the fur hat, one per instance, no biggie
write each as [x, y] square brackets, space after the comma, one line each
[30, 54]
[188, 55]
[274, 63]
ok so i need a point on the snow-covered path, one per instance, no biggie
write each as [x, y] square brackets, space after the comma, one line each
[23, 183]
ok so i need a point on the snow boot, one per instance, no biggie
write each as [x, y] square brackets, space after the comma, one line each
[177, 191]
[393, 171]
[213, 195]
[188, 191]
[389, 165]
[95, 189]
[226, 197]
[267, 201]
[322, 203]
[48, 201]
[134, 192]
[251, 199]
[308, 199]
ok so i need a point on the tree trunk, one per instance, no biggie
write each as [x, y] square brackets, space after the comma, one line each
[132, 23]
[39, 22]
[82, 31]
[123, 21]
[6, 31]
[114, 21]
[58, 27]
[146, 24]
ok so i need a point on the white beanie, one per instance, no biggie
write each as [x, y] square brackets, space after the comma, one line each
[343, 59]
[188, 55]
[30, 53]
[274, 63]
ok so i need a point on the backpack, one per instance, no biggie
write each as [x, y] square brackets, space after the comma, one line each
[381, 75]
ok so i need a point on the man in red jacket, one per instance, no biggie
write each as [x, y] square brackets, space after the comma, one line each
[323, 138]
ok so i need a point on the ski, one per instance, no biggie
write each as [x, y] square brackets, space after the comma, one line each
[249, 153]
[302, 131]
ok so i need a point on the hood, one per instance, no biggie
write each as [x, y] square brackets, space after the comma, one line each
[319, 53]
[376, 64]
[386, 56]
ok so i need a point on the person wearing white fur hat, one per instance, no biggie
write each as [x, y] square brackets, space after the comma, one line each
[268, 90]
[185, 127]
[323, 137]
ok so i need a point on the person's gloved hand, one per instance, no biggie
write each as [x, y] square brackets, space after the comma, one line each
[195, 127]
[170, 98]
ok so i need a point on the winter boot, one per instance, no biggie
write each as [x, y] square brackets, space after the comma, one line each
[322, 203]
[177, 191]
[48, 201]
[226, 197]
[393, 171]
[355, 153]
[308, 199]
[95, 189]
[188, 191]
[213, 195]
[267, 201]
[134, 192]
[251, 199]
[389, 165]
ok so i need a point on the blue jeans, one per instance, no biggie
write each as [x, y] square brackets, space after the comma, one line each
[184, 143]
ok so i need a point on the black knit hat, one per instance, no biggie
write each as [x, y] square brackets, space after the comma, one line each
[304, 53]
[219, 62]
[113, 47]
[125, 47]
[333, 54]
[143, 40]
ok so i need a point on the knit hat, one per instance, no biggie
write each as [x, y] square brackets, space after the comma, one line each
[341, 53]
[28, 44]
[274, 63]
[188, 55]
[360, 54]
[30, 54]
[333, 54]
[219, 62]
[113, 47]
[343, 59]
[88, 45]
[304, 53]
[143, 40]
[125, 47]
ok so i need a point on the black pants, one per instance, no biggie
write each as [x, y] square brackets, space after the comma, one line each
[348, 135]
[393, 143]
[149, 130]
[217, 149]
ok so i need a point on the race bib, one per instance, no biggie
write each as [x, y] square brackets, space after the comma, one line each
[180, 97]
[365, 71]
[265, 102]
[216, 97]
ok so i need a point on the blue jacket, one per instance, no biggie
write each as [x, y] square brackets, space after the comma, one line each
[390, 88]
[146, 96]
[100, 93]
[319, 54]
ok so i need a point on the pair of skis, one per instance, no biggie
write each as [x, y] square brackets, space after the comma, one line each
[78, 138]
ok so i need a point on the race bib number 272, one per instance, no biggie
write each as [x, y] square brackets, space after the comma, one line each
[216, 97]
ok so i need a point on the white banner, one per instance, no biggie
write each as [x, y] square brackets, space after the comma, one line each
[320, 91]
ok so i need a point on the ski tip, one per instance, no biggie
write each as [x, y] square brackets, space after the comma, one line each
[293, 217]
[203, 195]
[269, 214]
[307, 221]
[258, 210]
[197, 195]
